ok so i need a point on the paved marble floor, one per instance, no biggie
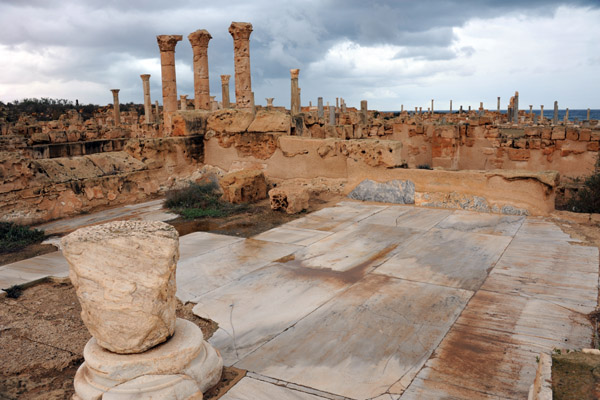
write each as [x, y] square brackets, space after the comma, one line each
[362, 301]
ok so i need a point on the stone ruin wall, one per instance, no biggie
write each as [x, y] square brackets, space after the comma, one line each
[61, 168]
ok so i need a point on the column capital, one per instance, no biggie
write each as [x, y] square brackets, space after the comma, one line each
[115, 91]
[168, 42]
[240, 30]
[294, 73]
[225, 79]
[199, 38]
[145, 77]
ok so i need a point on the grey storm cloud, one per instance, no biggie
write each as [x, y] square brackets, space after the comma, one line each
[286, 34]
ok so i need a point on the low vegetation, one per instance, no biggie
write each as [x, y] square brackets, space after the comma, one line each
[14, 237]
[200, 201]
[587, 199]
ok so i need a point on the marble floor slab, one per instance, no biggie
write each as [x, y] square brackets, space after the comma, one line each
[260, 305]
[490, 224]
[422, 218]
[200, 274]
[253, 389]
[335, 218]
[447, 257]
[150, 210]
[298, 236]
[490, 352]
[33, 269]
[356, 249]
[197, 243]
[363, 341]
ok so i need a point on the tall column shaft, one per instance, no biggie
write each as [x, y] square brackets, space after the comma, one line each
[555, 116]
[295, 93]
[240, 31]
[225, 91]
[450, 106]
[199, 41]
[147, 99]
[516, 109]
[363, 112]
[320, 111]
[116, 107]
[498, 103]
[166, 45]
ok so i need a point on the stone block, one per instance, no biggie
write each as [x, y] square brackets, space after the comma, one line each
[396, 191]
[593, 146]
[518, 154]
[572, 133]
[558, 133]
[585, 135]
[291, 199]
[271, 121]
[244, 186]
[124, 275]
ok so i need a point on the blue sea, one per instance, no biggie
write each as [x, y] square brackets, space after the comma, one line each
[581, 115]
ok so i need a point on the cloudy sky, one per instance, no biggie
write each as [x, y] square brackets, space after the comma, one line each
[387, 52]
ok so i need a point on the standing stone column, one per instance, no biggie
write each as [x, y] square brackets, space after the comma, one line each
[183, 102]
[147, 100]
[269, 102]
[199, 41]
[498, 103]
[320, 111]
[294, 105]
[331, 115]
[588, 114]
[166, 45]
[541, 113]
[450, 106]
[116, 107]
[530, 110]
[516, 109]
[431, 106]
[363, 112]
[225, 90]
[240, 31]
[555, 116]
[566, 116]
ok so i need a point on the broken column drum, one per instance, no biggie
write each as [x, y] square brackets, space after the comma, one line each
[124, 276]
[147, 99]
[166, 45]
[199, 41]
[240, 31]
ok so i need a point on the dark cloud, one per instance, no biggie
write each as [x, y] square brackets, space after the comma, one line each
[102, 34]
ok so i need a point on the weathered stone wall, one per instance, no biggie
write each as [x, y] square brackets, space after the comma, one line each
[35, 191]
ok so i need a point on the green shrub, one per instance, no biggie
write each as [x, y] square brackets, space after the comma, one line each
[200, 201]
[14, 237]
[587, 199]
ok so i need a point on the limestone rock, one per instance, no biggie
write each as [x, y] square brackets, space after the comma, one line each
[270, 121]
[244, 186]
[397, 191]
[124, 275]
[229, 121]
[292, 199]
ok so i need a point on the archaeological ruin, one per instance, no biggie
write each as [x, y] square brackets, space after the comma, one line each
[509, 169]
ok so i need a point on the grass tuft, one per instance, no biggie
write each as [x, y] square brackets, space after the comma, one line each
[200, 201]
[587, 199]
[14, 237]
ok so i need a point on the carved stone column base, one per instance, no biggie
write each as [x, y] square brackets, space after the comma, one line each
[183, 367]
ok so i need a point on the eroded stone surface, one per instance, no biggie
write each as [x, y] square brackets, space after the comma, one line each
[397, 191]
[291, 199]
[124, 274]
[244, 186]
